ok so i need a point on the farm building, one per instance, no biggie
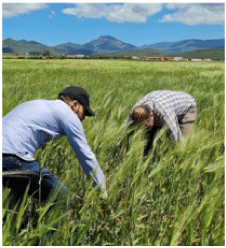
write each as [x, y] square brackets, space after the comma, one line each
[196, 60]
[152, 58]
[178, 58]
[76, 56]
[164, 58]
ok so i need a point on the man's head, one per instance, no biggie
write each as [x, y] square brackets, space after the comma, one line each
[143, 116]
[78, 100]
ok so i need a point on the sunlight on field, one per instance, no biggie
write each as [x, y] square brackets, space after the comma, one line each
[175, 197]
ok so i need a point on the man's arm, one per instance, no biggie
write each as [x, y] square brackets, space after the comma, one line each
[175, 133]
[75, 134]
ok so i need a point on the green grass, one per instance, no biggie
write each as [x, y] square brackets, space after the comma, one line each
[175, 197]
[213, 54]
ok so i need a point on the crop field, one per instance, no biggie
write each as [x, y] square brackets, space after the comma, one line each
[174, 197]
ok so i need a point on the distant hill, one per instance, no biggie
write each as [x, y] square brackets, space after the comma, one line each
[23, 46]
[68, 48]
[146, 52]
[102, 44]
[214, 54]
[187, 45]
[109, 45]
[72, 49]
[205, 49]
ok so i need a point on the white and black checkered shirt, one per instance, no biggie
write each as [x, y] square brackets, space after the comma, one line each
[170, 105]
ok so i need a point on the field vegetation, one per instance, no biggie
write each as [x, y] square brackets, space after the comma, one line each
[213, 54]
[174, 197]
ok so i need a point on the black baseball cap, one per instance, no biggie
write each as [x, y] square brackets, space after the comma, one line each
[79, 94]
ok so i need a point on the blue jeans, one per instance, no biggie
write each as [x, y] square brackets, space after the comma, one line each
[23, 173]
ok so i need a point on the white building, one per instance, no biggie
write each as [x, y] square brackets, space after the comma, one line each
[196, 60]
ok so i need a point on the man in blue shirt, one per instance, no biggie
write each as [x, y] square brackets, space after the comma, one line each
[33, 123]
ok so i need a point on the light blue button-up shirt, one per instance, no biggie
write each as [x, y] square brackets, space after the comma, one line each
[33, 123]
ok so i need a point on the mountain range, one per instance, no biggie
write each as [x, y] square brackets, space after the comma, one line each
[107, 44]
[187, 45]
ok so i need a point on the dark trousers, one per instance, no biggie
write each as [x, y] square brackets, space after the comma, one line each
[150, 136]
[18, 174]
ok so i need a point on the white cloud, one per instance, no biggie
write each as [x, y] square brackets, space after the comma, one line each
[87, 10]
[195, 14]
[52, 13]
[131, 12]
[15, 9]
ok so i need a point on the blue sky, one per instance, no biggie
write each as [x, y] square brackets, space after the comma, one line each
[131, 22]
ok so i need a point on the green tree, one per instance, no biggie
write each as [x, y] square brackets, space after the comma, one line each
[46, 53]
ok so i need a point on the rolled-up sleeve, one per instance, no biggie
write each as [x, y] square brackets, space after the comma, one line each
[171, 120]
[74, 132]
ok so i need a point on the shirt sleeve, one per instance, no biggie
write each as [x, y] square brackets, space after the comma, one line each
[74, 132]
[171, 120]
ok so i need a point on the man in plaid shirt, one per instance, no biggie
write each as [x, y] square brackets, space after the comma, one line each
[176, 109]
